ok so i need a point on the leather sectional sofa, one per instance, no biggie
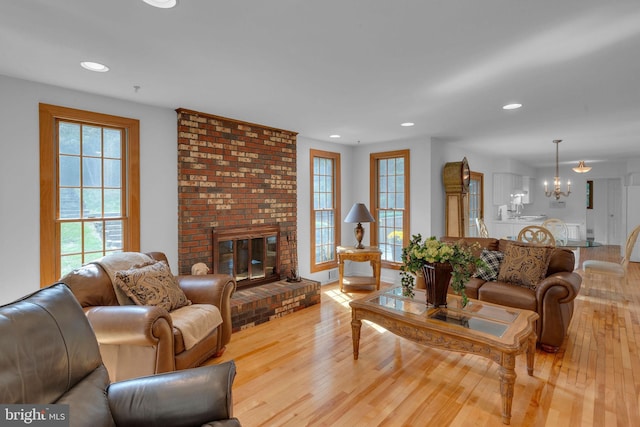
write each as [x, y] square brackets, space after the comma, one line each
[137, 340]
[552, 297]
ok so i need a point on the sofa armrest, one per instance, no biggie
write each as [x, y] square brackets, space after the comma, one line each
[130, 324]
[188, 397]
[213, 289]
[565, 287]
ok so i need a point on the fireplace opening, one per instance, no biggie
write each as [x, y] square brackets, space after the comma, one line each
[248, 253]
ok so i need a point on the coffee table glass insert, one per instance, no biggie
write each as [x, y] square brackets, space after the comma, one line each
[492, 320]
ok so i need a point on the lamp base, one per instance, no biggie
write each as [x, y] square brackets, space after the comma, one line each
[359, 233]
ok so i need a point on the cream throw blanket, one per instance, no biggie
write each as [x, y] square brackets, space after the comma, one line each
[195, 322]
[118, 261]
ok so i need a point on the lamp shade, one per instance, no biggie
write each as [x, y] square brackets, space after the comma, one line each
[359, 213]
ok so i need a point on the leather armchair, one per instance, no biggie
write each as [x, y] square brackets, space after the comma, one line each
[140, 340]
[552, 299]
[49, 355]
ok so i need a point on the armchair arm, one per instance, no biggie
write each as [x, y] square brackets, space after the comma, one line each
[208, 289]
[183, 398]
[130, 324]
[213, 289]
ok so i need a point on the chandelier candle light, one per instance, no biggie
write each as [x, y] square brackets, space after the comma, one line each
[556, 180]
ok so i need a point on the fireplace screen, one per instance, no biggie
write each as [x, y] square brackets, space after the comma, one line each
[250, 254]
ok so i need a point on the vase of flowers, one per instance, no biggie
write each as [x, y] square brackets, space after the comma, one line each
[435, 255]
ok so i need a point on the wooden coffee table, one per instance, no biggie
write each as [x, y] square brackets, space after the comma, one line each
[496, 332]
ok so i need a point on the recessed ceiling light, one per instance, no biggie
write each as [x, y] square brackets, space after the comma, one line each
[335, 135]
[407, 124]
[163, 4]
[94, 66]
[511, 106]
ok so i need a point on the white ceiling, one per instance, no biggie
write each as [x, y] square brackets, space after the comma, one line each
[358, 68]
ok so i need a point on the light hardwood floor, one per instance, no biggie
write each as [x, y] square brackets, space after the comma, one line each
[299, 370]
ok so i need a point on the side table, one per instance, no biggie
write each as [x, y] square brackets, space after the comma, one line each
[370, 253]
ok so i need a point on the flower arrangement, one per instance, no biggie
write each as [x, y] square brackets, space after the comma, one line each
[418, 253]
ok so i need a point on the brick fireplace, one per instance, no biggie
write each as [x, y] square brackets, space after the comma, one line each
[230, 174]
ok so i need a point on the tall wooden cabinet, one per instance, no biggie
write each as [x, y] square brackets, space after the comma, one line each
[456, 177]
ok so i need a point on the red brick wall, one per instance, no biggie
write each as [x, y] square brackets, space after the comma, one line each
[232, 173]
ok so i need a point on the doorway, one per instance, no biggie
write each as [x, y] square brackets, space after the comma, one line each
[604, 220]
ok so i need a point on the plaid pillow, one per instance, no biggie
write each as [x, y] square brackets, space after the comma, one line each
[492, 259]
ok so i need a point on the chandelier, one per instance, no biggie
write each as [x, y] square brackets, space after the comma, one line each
[557, 191]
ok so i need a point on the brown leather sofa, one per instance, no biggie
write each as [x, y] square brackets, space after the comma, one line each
[140, 340]
[552, 298]
[49, 355]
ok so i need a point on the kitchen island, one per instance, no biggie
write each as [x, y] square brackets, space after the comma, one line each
[512, 226]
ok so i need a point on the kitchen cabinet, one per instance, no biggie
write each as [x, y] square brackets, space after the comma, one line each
[507, 184]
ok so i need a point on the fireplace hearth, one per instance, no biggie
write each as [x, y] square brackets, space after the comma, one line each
[251, 254]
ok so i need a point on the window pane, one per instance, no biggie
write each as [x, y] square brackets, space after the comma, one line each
[91, 141]
[70, 237]
[112, 172]
[113, 234]
[112, 143]
[112, 203]
[92, 203]
[69, 171]
[69, 203]
[93, 236]
[91, 172]
[69, 138]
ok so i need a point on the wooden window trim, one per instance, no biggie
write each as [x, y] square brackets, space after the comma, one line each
[316, 267]
[49, 236]
[373, 200]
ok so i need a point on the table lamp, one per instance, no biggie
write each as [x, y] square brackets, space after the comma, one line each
[359, 214]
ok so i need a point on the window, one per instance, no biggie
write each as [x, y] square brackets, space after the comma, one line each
[390, 204]
[325, 207]
[476, 202]
[89, 188]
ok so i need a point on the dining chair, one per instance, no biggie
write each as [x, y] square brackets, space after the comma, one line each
[614, 269]
[559, 229]
[536, 235]
[482, 228]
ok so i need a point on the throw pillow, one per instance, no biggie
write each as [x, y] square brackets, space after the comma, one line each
[152, 284]
[524, 264]
[492, 259]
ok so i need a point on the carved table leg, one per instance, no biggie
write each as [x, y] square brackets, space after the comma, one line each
[341, 272]
[356, 324]
[507, 380]
[531, 352]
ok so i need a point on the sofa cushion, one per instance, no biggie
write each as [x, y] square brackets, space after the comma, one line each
[508, 295]
[493, 260]
[152, 284]
[524, 264]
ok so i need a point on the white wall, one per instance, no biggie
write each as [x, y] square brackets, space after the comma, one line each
[19, 177]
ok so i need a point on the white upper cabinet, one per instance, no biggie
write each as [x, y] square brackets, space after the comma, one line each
[507, 184]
